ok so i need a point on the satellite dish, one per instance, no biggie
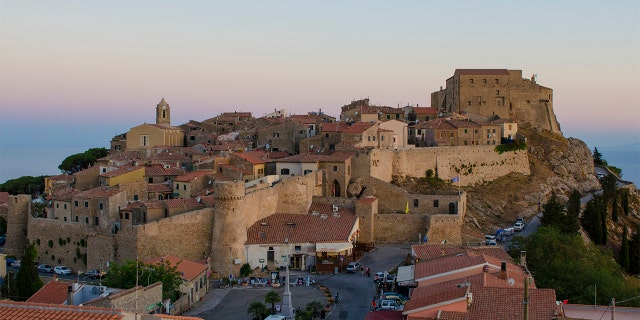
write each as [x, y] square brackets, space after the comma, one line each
[511, 281]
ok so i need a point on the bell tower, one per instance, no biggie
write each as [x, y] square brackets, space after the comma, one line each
[163, 113]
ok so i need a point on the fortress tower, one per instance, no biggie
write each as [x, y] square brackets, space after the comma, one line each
[229, 232]
[17, 218]
[163, 113]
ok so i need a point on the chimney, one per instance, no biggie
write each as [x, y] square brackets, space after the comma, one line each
[523, 258]
[469, 297]
[70, 295]
[503, 271]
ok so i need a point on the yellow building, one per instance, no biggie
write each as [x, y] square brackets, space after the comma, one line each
[161, 133]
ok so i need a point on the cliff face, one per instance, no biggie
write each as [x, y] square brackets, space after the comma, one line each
[558, 165]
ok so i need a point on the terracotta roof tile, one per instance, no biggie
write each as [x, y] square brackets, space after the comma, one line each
[311, 158]
[65, 194]
[120, 171]
[358, 127]
[11, 310]
[189, 269]
[193, 175]
[4, 197]
[253, 157]
[452, 315]
[506, 303]
[190, 203]
[419, 110]
[333, 127]
[99, 192]
[159, 187]
[54, 292]
[303, 228]
[464, 123]
[384, 315]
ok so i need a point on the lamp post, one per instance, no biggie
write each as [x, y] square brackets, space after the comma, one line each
[287, 309]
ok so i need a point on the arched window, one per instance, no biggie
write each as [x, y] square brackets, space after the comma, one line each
[452, 208]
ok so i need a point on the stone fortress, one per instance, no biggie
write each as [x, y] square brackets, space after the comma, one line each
[218, 231]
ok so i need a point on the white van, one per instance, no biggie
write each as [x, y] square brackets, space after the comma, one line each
[275, 317]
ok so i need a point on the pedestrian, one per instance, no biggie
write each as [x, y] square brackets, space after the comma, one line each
[368, 273]
[373, 305]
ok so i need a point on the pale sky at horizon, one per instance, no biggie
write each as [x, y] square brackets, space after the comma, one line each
[108, 63]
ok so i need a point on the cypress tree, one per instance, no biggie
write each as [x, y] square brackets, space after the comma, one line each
[614, 209]
[572, 224]
[625, 202]
[603, 220]
[553, 213]
[624, 250]
[634, 253]
[27, 279]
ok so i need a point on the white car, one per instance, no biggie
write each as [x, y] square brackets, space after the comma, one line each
[62, 270]
[45, 268]
[16, 264]
[353, 267]
[387, 304]
[518, 226]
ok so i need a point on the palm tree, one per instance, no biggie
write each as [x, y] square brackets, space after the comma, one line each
[272, 297]
[314, 307]
[257, 310]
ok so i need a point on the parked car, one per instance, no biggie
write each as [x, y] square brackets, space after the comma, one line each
[519, 226]
[387, 304]
[95, 274]
[353, 266]
[394, 296]
[16, 264]
[62, 270]
[45, 268]
[490, 243]
[3, 238]
[378, 276]
[508, 231]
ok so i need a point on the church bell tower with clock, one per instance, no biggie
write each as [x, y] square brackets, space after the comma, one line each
[163, 113]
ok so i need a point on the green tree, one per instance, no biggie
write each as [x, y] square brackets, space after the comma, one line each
[624, 250]
[257, 310]
[3, 225]
[9, 288]
[608, 184]
[314, 307]
[603, 221]
[591, 219]
[24, 185]
[245, 270]
[556, 258]
[614, 209]
[598, 160]
[27, 279]
[634, 253]
[79, 161]
[123, 276]
[625, 202]
[553, 212]
[272, 297]
[572, 224]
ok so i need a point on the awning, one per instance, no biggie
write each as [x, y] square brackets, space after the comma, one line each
[333, 246]
[405, 275]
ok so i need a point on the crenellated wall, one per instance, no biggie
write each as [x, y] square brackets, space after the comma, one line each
[474, 164]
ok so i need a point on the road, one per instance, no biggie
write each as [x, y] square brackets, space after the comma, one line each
[356, 290]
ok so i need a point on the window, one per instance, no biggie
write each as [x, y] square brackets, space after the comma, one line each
[86, 220]
[484, 80]
[297, 248]
[388, 117]
[475, 131]
[465, 130]
[509, 127]
[436, 203]
[57, 205]
[416, 203]
[184, 187]
[276, 135]
[65, 205]
[75, 203]
[494, 130]
[144, 140]
[374, 138]
[101, 206]
[496, 81]
[441, 134]
[126, 215]
[65, 218]
[76, 218]
[104, 170]
[368, 138]
[497, 92]
[307, 171]
[178, 186]
[381, 138]
[471, 81]
[468, 103]
[192, 138]
[150, 180]
[466, 143]
[97, 222]
[488, 130]
[135, 197]
[451, 134]
[326, 135]
[284, 171]
[335, 168]
[260, 171]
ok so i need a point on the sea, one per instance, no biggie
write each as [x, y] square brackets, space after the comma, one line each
[625, 157]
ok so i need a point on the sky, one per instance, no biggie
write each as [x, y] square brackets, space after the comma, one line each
[75, 73]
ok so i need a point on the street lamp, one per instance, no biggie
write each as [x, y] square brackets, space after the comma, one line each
[287, 309]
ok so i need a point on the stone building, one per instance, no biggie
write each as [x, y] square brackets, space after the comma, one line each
[498, 93]
[161, 133]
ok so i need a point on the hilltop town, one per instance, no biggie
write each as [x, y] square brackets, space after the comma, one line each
[237, 189]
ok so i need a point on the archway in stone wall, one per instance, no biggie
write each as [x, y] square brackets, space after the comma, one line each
[452, 208]
[336, 189]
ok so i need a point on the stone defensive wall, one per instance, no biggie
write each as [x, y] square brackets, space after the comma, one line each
[474, 164]
[398, 228]
[235, 211]
[59, 242]
[445, 228]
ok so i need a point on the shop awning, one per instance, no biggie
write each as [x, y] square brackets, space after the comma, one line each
[405, 275]
[333, 246]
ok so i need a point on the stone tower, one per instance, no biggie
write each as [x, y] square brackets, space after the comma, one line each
[163, 113]
[227, 241]
[19, 210]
